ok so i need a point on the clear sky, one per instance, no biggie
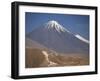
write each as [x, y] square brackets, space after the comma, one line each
[77, 24]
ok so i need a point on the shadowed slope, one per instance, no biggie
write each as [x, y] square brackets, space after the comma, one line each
[57, 38]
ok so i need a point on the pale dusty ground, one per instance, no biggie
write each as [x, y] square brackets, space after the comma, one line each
[46, 58]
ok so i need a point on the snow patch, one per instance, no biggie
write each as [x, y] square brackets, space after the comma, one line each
[54, 24]
[81, 38]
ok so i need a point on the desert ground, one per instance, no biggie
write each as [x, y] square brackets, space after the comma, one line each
[36, 58]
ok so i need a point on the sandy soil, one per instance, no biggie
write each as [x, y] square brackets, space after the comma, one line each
[46, 58]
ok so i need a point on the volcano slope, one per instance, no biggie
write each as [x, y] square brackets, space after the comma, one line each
[53, 45]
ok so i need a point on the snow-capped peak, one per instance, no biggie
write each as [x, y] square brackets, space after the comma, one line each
[54, 24]
[81, 38]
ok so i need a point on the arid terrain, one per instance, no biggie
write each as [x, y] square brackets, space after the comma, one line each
[47, 58]
[51, 45]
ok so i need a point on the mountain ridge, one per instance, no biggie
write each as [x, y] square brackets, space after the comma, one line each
[54, 36]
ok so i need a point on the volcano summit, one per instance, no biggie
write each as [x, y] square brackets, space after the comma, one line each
[56, 37]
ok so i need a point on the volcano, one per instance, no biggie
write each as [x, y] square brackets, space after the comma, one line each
[54, 36]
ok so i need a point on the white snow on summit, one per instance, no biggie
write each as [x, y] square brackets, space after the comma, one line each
[54, 24]
[81, 38]
[54, 36]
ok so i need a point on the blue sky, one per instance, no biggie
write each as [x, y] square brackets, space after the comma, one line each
[77, 24]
